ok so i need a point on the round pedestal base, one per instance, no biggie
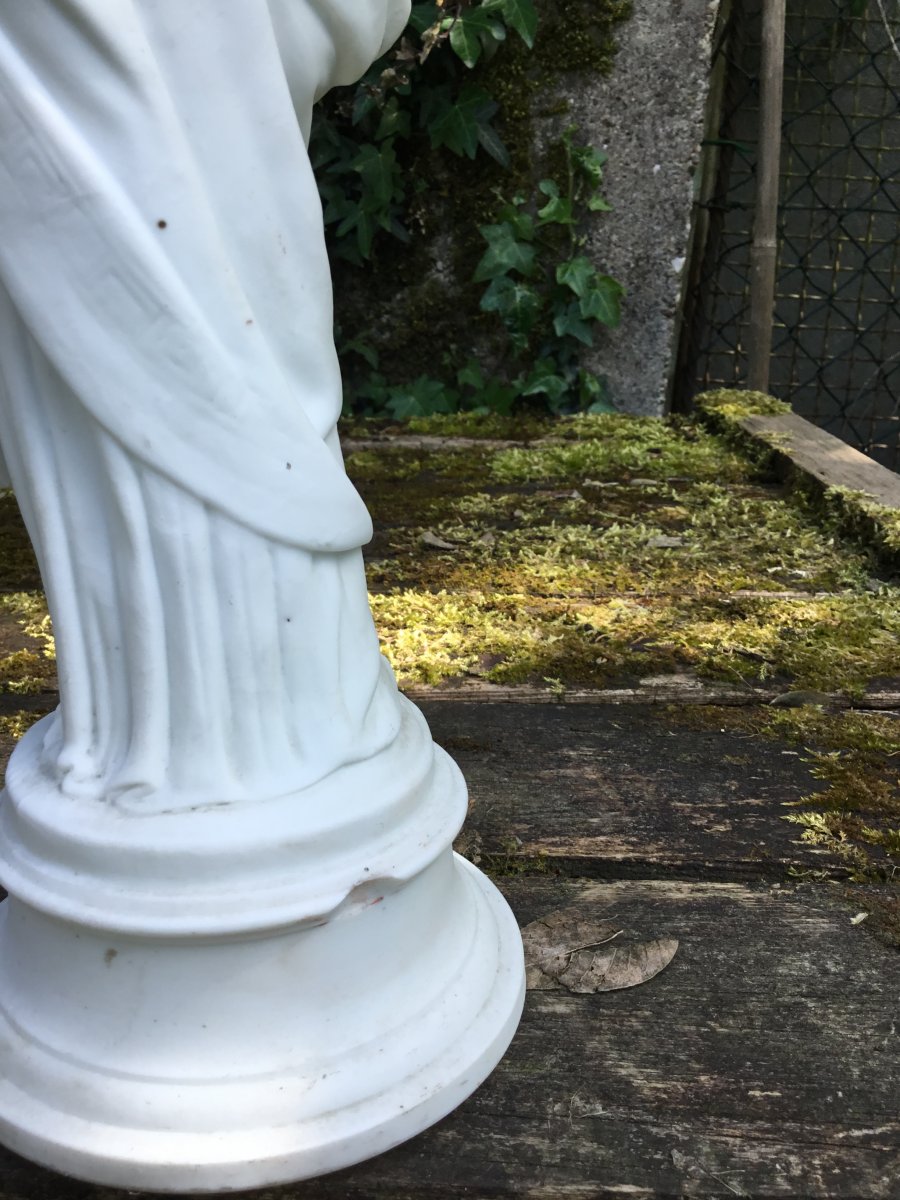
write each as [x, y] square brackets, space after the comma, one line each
[178, 1065]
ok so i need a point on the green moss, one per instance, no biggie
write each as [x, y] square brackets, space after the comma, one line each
[379, 464]
[857, 512]
[606, 552]
[862, 515]
[14, 725]
[580, 35]
[887, 518]
[734, 404]
[576, 545]
[28, 671]
[519, 428]
[607, 447]
[854, 816]
[30, 610]
[24, 673]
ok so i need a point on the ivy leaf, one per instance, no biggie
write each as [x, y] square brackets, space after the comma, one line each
[589, 161]
[558, 209]
[471, 375]
[421, 398]
[577, 274]
[504, 253]
[377, 166]
[363, 103]
[372, 389]
[394, 122]
[569, 323]
[545, 381]
[364, 349]
[350, 221]
[468, 33]
[518, 304]
[337, 206]
[498, 397]
[366, 228]
[601, 302]
[457, 123]
[593, 393]
[489, 139]
[598, 204]
[519, 15]
[521, 222]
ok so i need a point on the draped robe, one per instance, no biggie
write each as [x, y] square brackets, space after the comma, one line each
[169, 391]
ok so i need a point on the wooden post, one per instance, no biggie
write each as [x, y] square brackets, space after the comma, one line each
[764, 250]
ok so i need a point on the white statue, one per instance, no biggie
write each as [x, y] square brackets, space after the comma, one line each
[170, 389]
[231, 758]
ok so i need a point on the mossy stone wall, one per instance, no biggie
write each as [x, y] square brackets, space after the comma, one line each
[633, 77]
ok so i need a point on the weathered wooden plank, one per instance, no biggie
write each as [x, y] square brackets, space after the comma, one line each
[612, 790]
[828, 459]
[430, 442]
[619, 791]
[616, 790]
[658, 689]
[764, 1061]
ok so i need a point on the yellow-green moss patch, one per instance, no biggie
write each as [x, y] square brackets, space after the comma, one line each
[29, 669]
[14, 725]
[631, 547]
[608, 447]
[735, 405]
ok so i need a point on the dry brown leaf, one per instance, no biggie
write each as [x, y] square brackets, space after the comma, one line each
[569, 948]
[618, 967]
[551, 942]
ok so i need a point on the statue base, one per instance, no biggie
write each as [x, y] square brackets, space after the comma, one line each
[184, 1050]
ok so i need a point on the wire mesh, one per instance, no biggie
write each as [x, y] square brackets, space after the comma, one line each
[836, 337]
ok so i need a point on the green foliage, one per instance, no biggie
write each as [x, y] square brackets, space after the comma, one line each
[548, 296]
[365, 140]
[543, 295]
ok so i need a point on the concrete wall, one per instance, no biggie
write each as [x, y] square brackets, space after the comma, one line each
[648, 116]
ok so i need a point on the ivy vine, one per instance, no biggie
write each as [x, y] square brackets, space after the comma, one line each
[544, 293]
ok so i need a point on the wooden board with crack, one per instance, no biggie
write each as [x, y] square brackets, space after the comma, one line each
[763, 1060]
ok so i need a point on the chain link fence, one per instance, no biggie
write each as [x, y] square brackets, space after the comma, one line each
[836, 343]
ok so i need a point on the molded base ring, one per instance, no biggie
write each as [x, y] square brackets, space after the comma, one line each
[83, 1117]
